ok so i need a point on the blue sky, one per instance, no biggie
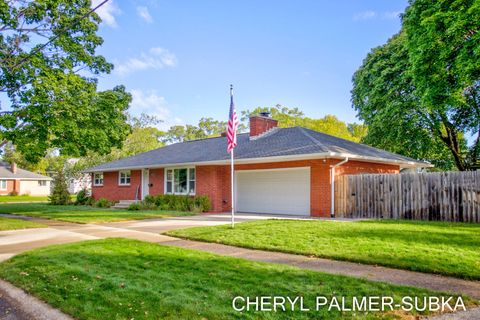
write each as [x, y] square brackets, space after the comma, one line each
[178, 58]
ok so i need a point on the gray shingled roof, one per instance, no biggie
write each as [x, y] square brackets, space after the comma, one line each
[6, 173]
[278, 142]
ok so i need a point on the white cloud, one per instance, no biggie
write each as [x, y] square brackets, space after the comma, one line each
[364, 15]
[107, 12]
[144, 14]
[370, 14]
[155, 58]
[155, 105]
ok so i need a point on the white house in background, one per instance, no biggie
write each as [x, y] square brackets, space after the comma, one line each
[83, 181]
[79, 181]
[20, 181]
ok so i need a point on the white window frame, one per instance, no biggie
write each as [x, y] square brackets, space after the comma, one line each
[126, 172]
[173, 181]
[100, 179]
[42, 183]
[6, 184]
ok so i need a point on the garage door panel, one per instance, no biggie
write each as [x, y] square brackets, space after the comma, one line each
[274, 191]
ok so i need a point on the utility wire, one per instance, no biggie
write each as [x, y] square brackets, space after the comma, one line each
[43, 46]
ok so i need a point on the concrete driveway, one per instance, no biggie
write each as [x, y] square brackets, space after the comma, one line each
[13, 242]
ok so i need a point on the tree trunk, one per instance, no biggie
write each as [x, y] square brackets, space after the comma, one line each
[451, 141]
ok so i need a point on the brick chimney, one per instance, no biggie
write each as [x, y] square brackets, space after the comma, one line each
[261, 123]
[13, 167]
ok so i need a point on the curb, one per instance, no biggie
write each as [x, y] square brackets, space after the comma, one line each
[29, 305]
[461, 315]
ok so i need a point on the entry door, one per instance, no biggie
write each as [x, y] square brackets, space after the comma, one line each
[145, 183]
[278, 191]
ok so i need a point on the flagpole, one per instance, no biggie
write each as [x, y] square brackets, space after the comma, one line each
[233, 205]
[232, 172]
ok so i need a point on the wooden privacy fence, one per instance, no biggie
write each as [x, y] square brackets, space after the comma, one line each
[444, 196]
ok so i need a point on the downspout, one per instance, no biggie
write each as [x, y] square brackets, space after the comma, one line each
[332, 184]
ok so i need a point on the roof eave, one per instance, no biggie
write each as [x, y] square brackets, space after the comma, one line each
[325, 155]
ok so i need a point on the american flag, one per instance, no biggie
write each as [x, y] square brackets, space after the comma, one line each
[232, 125]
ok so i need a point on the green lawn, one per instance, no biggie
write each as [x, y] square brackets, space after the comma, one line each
[14, 224]
[27, 198]
[129, 279]
[23, 198]
[443, 248]
[83, 214]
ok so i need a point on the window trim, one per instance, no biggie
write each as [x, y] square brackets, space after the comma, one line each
[120, 177]
[173, 180]
[6, 184]
[94, 180]
[42, 183]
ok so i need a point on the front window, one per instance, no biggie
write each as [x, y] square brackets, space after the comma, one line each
[42, 183]
[180, 181]
[98, 179]
[124, 178]
[3, 184]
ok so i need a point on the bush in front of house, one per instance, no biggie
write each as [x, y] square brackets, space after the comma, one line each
[103, 203]
[82, 197]
[134, 207]
[13, 193]
[59, 194]
[175, 203]
[90, 201]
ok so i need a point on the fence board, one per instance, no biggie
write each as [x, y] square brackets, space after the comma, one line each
[444, 196]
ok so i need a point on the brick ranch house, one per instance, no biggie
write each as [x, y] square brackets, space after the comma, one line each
[20, 181]
[277, 170]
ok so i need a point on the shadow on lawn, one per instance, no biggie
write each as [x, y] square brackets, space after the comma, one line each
[131, 279]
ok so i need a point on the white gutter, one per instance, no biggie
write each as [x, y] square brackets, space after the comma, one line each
[332, 184]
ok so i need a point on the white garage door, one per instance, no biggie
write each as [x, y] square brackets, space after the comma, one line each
[282, 191]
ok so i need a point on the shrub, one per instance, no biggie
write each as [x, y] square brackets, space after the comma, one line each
[150, 200]
[176, 203]
[59, 194]
[103, 203]
[82, 197]
[13, 193]
[134, 207]
[90, 201]
[203, 203]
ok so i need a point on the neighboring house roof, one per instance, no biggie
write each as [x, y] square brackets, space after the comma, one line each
[21, 174]
[277, 144]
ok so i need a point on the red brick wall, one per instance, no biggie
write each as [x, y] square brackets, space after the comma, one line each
[358, 167]
[210, 181]
[220, 180]
[11, 185]
[112, 191]
[156, 179]
[214, 181]
[259, 125]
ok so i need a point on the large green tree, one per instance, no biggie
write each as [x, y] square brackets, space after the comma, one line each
[144, 136]
[44, 47]
[384, 96]
[443, 41]
[206, 128]
[418, 93]
[291, 117]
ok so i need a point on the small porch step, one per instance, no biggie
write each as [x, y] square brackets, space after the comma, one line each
[124, 204]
